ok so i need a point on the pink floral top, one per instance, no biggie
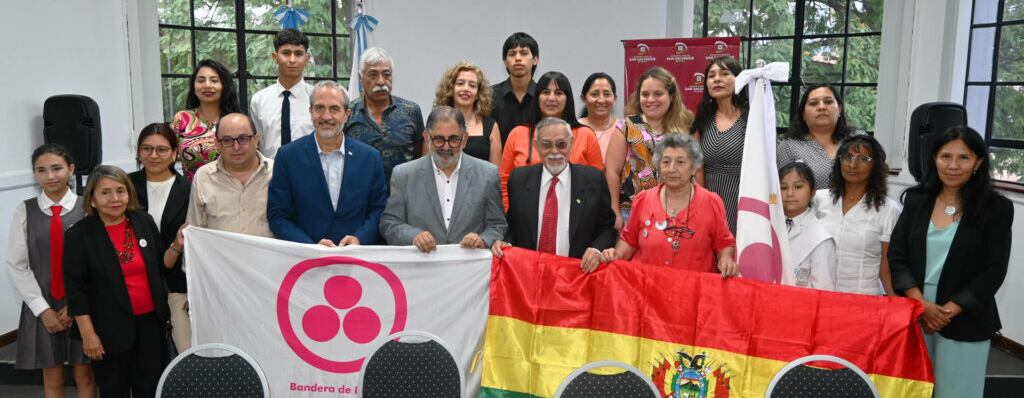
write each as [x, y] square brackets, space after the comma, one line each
[196, 139]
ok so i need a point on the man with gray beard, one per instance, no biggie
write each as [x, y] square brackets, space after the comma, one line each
[391, 124]
[425, 193]
[557, 207]
[327, 189]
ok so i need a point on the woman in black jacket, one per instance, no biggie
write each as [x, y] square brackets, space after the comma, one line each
[112, 271]
[949, 250]
[163, 193]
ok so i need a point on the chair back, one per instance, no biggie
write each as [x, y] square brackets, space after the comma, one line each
[627, 384]
[798, 379]
[192, 375]
[399, 369]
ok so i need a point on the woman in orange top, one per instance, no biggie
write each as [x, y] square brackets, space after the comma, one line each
[554, 99]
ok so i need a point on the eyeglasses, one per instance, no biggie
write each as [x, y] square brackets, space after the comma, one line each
[560, 145]
[242, 140]
[452, 141]
[160, 150]
[679, 231]
[855, 159]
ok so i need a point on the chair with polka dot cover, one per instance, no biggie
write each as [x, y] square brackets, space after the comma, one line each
[630, 383]
[213, 371]
[421, 366]
[828, 376]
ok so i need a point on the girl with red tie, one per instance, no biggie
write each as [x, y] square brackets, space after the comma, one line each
[35, 262]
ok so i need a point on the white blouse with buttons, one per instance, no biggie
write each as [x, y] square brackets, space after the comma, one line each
[859, 235]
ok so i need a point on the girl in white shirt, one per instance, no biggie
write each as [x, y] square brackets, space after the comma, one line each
[859, 215]
[811, 247]
[35, 262]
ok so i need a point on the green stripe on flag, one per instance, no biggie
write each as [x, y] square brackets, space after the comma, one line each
[487, 392]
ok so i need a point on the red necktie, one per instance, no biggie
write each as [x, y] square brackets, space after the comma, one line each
[56, 254]
[549, 225]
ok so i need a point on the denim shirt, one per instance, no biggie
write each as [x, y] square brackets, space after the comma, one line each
[398, 135]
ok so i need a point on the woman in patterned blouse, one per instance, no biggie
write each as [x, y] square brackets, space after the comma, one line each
[815, 132]
[211, 94]
[655, 109]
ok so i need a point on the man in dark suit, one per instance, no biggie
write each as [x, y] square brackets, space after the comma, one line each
[558, 207]
[426, 192]
[325, 188]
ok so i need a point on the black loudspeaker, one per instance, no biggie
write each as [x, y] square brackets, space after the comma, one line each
[74, 122]
[927, 121]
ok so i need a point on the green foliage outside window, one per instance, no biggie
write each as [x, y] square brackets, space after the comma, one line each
[822, 59]
[329, 55]
[1003, 117]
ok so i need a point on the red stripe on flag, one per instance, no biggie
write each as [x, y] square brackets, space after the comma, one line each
[878, 334]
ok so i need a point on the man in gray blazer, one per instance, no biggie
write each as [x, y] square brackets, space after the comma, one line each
[444, 198]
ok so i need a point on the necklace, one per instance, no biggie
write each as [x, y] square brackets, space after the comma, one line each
[950, 209]
[674, 232]
[664, 202]
[127, 252]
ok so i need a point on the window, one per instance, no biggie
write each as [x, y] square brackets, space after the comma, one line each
[994, 95]
[824, 41]
[240, 34]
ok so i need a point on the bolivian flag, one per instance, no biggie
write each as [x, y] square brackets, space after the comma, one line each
[693, 333]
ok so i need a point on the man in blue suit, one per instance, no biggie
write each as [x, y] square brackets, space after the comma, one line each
[327, 189]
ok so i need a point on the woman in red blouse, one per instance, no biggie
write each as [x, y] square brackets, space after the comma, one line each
[678, 223]
[112, 263]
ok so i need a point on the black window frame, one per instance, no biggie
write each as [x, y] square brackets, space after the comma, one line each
[796, 81]
[241, 73]
[993, 81]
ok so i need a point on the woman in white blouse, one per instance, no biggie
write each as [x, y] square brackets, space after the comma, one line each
[860, 217]
[35, 257]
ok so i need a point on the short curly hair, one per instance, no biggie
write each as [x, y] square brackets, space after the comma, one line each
[445, 94]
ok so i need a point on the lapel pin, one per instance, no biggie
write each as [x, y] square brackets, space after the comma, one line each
[143, 243]
[578, 201]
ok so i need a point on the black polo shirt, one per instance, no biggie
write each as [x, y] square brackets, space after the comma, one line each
[508, 111]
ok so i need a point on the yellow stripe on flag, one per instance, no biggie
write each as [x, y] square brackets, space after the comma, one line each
[532, 359]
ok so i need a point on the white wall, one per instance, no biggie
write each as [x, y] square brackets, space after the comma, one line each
[924, 58]
[66, 47]
[576, 37]
[109, 50]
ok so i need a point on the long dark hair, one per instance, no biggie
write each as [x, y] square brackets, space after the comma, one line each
[708, 106]
[978, 190]
[590, 82]
[798, 126]
[569, 113]
[877, 181]
[228, 95]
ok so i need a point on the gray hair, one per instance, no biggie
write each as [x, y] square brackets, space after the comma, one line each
[373, 56]
[323, 84]
[550, 122]
[444, 113]
[681, 141]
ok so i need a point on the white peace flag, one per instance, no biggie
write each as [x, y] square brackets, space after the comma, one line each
[762, 245]
[309, 314]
